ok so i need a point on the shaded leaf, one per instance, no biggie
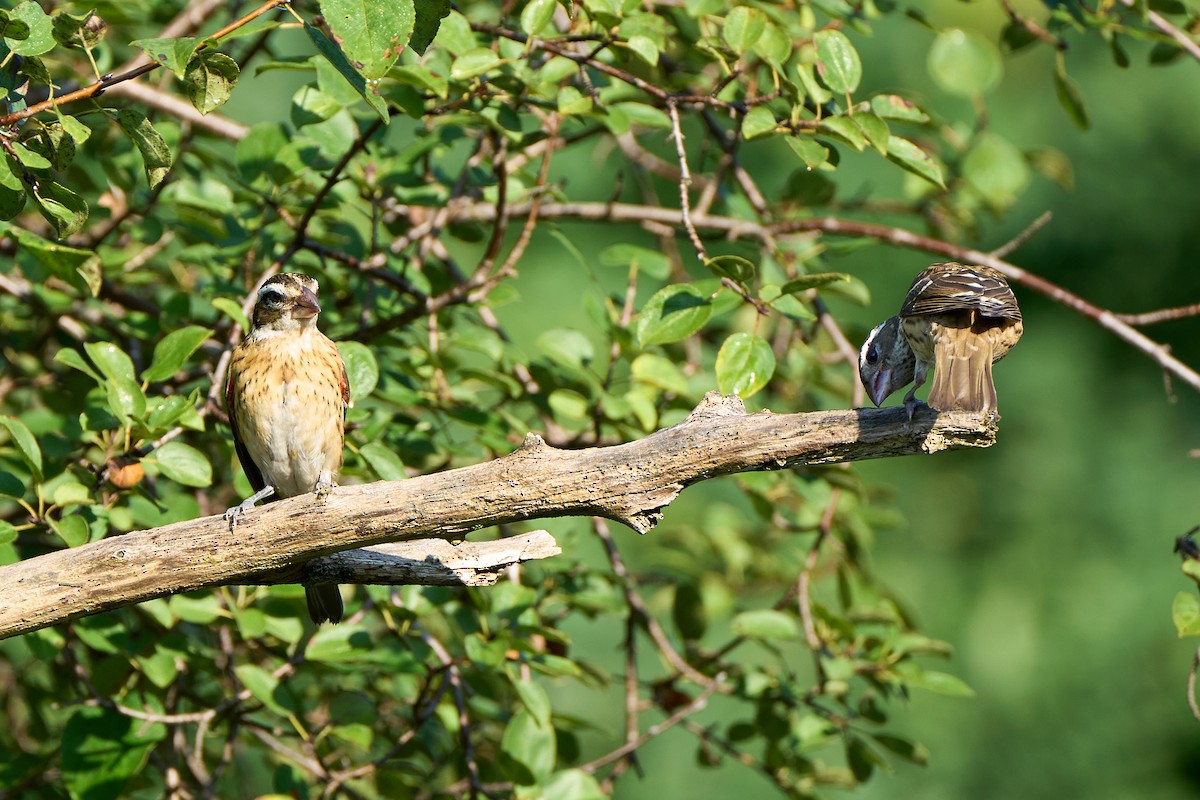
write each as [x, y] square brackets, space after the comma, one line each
[209, 80]
[26, 445]
[338, 59]
[103, 749]
[362, 370]
[156, 156]
[964, 63]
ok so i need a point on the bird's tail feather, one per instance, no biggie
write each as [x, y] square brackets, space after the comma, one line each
[962, 375]
[324, 602]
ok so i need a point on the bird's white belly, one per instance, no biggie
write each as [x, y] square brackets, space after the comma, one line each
[292, 442]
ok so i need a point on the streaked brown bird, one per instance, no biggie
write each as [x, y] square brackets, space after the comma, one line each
[885, 362]
[959, 320]
[287, 396]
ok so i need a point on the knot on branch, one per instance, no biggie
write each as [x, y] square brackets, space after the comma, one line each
[716, 404]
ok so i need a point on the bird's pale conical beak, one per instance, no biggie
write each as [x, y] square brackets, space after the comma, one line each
[306, 306]
[880, 386]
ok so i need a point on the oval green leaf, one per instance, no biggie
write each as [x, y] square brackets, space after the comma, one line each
[673, 313]
[838, 63]
[964, 63]
[744, 364]
[184, 464]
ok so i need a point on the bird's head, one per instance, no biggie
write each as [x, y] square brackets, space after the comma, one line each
[286, 303]
[885, 362]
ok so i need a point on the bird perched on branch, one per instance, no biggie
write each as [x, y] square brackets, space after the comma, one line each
[957, 319]
[287, 396]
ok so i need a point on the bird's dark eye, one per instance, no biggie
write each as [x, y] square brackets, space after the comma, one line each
[273, 298]
[872, 354]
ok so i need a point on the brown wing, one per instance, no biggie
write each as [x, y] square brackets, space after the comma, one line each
[949, 287]
[253, 474]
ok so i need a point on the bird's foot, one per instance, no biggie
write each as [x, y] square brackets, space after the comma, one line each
[911, 404]
[324, 488]
[233, 514]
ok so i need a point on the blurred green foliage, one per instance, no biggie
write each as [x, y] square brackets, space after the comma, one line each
[493, 200]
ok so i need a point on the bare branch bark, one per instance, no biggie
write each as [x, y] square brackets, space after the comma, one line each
[629, 483]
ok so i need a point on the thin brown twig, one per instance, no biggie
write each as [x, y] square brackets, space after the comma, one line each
[106, 82]
[1035, 30]
[1021, 238]
[1191, 685]
[657, 729]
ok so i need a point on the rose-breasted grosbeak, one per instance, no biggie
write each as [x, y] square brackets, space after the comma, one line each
[959, 320]
[287, 396]
[885, 362]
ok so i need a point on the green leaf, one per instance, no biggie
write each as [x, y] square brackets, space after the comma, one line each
[12, 191]
[233, 310]
[537, 15]
[264, 687]
[963, 63]
[384, 461]
[915, 160]
[474, 62]
[535, 700]
[574, 784]
[996, 169]
[429, 15]
[939, 682]
[1185, 612]
[339, 644]
[174, 54]
[184, 464]
[661, 373]
[650, 262]
[844, 129]
[209, 80]
[743, 27]
[760, 121]
[72, 529]
[735, 268]
[29, 158]
[893, 106]
[125, 398]
[645, 48]
[838, 64]
[102, 750]
[201, 608]
[875, 129]
[362, 370]
[8, 532]
[155, 154]
[1069, 95]
[528, 749]
[173, 351]
[41, 31]
[766, 623]
[567, 347]
[811, 152]
[813, 281]
[673, 313]
[13, 29]
[63, 209]
[910, 751]
[26, 445]
[744, 364]
[111, 360]
[372, 35]
[568, 404]
[338, 59]
[71, 358]
[80, 268]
